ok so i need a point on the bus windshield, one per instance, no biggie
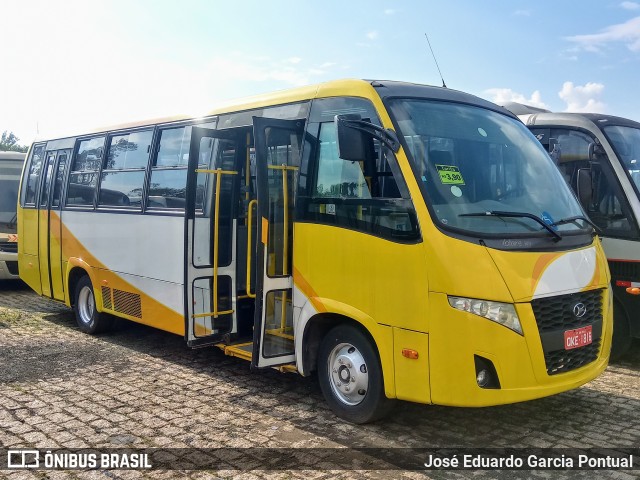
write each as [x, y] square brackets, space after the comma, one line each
[483, 173]
[9, 179]
[626, 143]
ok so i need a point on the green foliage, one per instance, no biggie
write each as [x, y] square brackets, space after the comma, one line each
[9, 143]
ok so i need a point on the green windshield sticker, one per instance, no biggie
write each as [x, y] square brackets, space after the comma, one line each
[450, 175]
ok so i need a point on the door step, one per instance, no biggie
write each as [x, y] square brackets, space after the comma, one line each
[245, 351]
[240, 350]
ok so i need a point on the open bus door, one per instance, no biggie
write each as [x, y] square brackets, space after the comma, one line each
[277, 147]
[210, 233]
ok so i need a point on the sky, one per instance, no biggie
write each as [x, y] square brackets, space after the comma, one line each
[71, 66]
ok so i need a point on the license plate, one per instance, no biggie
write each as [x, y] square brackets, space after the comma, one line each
[578, 338]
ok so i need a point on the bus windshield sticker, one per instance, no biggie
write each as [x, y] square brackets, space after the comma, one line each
[450, 175]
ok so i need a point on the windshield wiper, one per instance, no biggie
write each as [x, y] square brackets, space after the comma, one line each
[496, 213]
[574, 221]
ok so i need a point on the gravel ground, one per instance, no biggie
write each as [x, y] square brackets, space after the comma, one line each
[142, 388]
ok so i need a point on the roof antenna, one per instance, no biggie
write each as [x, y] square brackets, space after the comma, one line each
[444, 85]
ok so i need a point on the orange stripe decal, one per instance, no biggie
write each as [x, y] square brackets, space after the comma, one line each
[265, 230]
[154, 313]
[540, 266]
[308, 291]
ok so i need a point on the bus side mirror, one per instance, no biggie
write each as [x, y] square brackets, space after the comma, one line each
[595, 150]
[585, 187]
[351, 141]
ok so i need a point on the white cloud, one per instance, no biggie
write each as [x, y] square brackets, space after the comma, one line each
[391, 11]
[130, 90]
[630, 5]
[583, 98]
[627, 33]
[505, 95]
[372, 35]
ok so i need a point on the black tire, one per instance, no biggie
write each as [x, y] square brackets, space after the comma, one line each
[621, 341]
[89, 320]
[350, 376]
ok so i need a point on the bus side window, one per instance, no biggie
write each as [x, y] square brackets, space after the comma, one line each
[168, 185]
[123, 172]
[30, 183]
[363, 195]
[84, 172]
[57, 186]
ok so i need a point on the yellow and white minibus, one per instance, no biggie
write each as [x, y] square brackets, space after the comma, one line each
[10, 167]
[403, 241]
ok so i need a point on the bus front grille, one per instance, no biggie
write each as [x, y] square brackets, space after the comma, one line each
[556, 313]
[562, 313]
[629, 271]
[9, 247]
[560, 361]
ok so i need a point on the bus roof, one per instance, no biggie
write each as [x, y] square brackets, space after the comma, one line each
[353, 87]
[390, 89]
[538, 116]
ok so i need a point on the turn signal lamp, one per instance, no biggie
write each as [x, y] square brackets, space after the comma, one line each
[410, 353]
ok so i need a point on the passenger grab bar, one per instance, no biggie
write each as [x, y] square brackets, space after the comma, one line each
[218, 172]
[252, 204]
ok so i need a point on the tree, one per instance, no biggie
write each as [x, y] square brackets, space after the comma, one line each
[9, 143]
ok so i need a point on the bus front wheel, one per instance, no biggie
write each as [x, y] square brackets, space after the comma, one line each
[88, 318]
[350, 376]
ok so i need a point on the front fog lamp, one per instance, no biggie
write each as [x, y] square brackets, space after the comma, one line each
[502, 313]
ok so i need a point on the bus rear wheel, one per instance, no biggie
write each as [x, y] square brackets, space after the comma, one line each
[88, 318]
[350, 376]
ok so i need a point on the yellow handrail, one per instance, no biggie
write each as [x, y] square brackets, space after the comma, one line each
[285, 247]
[216, 222]
[215, 242]
[285, 260]
[252, 203]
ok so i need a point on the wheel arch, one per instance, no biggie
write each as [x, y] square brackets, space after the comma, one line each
[76, 269]
[380, 336]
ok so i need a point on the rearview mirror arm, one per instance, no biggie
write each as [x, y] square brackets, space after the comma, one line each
[386, 136]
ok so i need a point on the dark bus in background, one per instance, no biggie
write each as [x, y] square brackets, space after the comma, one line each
[599, 156]
[10, 171]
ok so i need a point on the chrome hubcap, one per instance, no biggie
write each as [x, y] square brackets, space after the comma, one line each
[86, 304]
[348, 374]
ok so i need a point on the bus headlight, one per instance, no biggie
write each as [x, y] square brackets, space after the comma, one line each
[502, 313]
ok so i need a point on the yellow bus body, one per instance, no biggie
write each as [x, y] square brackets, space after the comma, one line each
[397, 292]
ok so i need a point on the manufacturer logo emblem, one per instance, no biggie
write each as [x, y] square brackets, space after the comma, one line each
[579, 310]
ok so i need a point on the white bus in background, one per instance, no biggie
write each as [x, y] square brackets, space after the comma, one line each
[599, 156]
[10, 171]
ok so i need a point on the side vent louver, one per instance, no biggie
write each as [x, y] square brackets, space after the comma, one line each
[106, 298]
[127, 303]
